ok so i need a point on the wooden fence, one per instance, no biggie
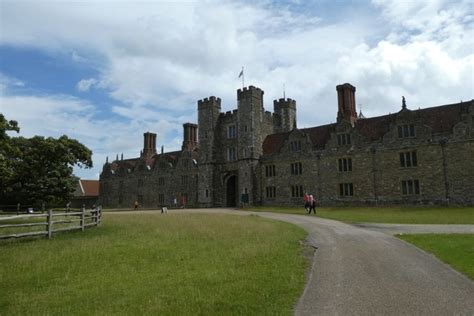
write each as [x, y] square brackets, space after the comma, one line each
[80, 220]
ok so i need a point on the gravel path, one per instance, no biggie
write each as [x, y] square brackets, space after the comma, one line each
[358, 271]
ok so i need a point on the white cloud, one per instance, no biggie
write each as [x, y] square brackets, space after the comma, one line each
[160, 58]
[9, 82]
[56, 115]
[85, 84]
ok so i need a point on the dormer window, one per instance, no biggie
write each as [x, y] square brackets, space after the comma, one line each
[406, 131]
[231, 131]
[343, 139]
[295, 145]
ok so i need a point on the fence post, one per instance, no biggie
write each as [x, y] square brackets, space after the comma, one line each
[99, 215]
[82, 218]
[50, 223]
[18, 209]
[96, 214]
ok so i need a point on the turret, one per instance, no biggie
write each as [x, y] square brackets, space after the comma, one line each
[208, 115]
[249, 95]
[286, 114]
[250, 121]
[346, 103]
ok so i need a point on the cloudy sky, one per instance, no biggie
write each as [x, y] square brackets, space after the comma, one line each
[104, 72]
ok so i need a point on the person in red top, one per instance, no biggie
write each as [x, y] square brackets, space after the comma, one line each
[306, 202]
[183, 201]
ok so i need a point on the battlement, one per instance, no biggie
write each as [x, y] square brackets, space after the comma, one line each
[284, 103]
[228, 116]
[206, 103]
[249, 91]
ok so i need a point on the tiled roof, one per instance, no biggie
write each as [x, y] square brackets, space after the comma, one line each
[90, 187]
[320, 135]
[441, 119]
[273, 143]
[374, 128]
[133, 163]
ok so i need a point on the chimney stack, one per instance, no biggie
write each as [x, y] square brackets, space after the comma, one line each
[149, 144]
[346, 103]
[189, 136]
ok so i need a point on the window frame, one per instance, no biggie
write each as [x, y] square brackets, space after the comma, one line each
[346, 189]
[231, 132]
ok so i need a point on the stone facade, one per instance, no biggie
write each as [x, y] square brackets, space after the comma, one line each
[253, 156]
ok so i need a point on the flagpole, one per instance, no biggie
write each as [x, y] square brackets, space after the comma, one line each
[243, 77]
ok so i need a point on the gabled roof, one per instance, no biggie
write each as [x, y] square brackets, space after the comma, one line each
[320, 135]
[441, 119]
[133, 163]
[89, 187]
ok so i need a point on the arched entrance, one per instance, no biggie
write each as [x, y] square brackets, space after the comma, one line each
[231, 191]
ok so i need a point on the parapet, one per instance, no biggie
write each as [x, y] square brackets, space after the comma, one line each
[229, 116]
[284, 103]
[249, 91]
[209, 102]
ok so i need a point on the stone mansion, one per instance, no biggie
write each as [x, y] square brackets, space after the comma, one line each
[252, 156]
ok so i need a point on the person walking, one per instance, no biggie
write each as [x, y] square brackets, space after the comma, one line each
[135, 205]
[306, 201]
[312, 204]
[175, 202]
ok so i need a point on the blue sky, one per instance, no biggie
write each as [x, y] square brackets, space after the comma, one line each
[104, 72]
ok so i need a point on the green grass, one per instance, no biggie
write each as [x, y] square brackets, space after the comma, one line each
[157, 265]
[400, 215]
[456, 250]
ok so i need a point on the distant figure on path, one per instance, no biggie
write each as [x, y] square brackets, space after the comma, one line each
[312, 204]
[183, 201]
[135, 205]
[306, 201]
[175, 202]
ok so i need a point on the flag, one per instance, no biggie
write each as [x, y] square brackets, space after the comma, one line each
[241, 73]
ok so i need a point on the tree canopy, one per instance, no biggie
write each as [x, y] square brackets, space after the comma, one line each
[38, 169]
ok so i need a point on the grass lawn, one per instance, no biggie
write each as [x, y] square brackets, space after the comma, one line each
[157, 265]
[456, 250]
[400, 215]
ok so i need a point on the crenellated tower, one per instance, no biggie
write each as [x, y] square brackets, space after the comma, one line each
[250, 119]
[208, 117]
[285, 110]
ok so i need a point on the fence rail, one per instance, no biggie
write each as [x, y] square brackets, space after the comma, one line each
[85, 218]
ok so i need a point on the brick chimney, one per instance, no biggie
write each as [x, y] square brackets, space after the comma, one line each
[189, 136]
[149, 144]
[346, 103]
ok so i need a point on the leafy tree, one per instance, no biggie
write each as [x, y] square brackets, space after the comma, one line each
[6, 151]
[39, 169]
